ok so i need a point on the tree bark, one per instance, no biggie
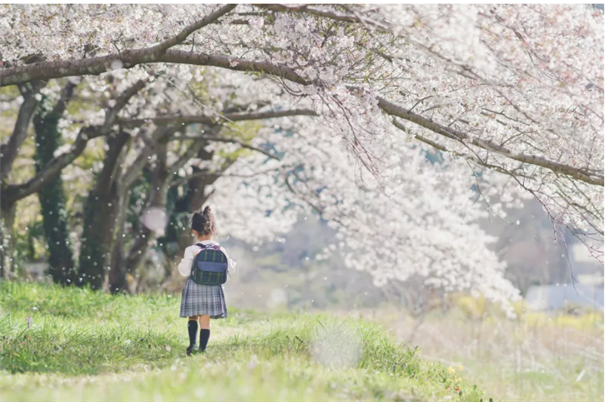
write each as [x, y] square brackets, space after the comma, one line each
[52, 196]
[117, 273]
[9, 151]
[133, 57]
[8, 154]
[7, 242]
[101, 213]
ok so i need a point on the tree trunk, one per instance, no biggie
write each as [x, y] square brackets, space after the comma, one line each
[8, 154]
[157, 199]
[117, 273]
[10, 150]
[6, 240]
[101, 214]
[52, 197]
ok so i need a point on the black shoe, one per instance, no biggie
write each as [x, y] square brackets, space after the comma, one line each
[190, 350]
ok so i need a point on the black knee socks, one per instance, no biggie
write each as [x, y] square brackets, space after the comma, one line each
[192, 328]
[204, 336]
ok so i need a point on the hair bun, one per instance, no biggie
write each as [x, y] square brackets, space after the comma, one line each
[203, 222]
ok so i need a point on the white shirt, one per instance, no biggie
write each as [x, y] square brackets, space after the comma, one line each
[191, 252]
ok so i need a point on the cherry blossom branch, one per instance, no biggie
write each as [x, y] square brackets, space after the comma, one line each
[162, 47]
[90, 66]
[13, 193]
[473, 158]
[97, 65]
[390, 108]
[222, 61]
[579, 174]
[310, 10]
[319, 209]
[133, 57]
[315, 207]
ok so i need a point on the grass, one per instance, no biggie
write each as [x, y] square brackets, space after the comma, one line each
[553, 357]
[73, 344]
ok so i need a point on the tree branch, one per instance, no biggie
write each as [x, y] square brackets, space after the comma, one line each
[9, 151]
[13, 193]
[222, 61]
[162, 47]
[67, 94]
[579, 174]
[114, 156]
[130, 58]
[134, 170]
[122, 101]
[228, 140]
[190, 153]
[306, 9]
[472, 158]
[179, 119]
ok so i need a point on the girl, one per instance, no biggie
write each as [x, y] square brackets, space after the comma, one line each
[201, 302]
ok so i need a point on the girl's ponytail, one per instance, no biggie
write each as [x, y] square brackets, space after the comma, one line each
[203, 222]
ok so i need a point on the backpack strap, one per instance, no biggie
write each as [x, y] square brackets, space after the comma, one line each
[202, 246]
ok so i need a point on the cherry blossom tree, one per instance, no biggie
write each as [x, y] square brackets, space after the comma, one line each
[510, 96]
[52, 196]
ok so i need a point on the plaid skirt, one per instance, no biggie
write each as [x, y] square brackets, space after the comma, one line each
[203, 300]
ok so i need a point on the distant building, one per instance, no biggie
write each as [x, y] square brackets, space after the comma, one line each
[588, 291]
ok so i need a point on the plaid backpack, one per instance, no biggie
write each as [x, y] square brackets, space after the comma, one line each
[209, 265]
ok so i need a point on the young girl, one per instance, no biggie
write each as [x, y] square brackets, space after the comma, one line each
[201, 302]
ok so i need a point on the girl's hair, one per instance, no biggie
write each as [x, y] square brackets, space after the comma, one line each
[203, 222]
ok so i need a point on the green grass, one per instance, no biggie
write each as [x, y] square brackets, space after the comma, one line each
[83, 345]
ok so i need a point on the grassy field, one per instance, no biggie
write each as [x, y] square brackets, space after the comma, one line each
[74, 344]
[537, 357]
